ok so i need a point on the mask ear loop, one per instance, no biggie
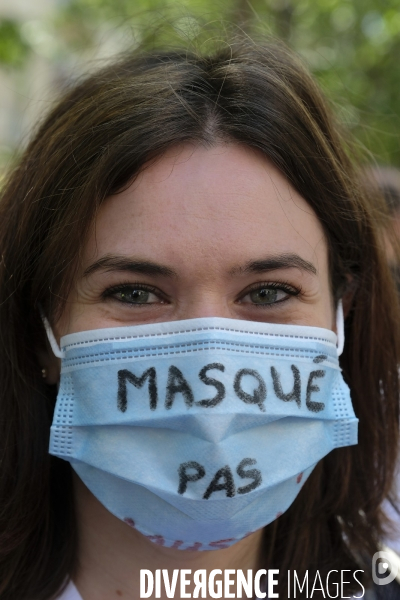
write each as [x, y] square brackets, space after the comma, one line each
[50, 336]
[340, 328]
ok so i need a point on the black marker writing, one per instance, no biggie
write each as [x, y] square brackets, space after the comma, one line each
[320, 358]
[185, 477]
[248, 385]
[210, 381]
[295, 394]
[311, 405]
[124, 375]
[254, 474]
[259, 394]
[222, 480]
[177, 384]
[227, 484]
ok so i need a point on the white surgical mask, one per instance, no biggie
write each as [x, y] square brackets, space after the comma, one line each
[200, 432]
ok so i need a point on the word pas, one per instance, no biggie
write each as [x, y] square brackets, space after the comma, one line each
[222, 480]
[224, 587]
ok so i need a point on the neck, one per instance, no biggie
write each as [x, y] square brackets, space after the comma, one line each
[111, 555]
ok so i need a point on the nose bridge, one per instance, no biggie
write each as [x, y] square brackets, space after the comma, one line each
[205, 303]
[205, 288]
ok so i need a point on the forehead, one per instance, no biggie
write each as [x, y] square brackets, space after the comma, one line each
[224, 204]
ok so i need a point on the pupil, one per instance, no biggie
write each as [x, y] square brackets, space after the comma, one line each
[263, 296]
[137, 296]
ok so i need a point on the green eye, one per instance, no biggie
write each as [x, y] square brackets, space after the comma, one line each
[265, 296]
[269, 294]
[134, 296]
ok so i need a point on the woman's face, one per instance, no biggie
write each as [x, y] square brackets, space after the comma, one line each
[203, 232]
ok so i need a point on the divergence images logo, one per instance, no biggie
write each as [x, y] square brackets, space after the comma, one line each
[384, 567]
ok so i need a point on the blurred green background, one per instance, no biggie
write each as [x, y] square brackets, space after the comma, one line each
[351, 46]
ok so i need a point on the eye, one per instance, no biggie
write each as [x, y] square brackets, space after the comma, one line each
[133, 294]
[267, 294]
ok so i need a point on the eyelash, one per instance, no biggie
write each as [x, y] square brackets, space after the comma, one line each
[275, 285]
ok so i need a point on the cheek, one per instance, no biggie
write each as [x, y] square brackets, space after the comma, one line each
[74, 311]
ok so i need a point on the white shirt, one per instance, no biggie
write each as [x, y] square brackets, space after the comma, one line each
[70, 593]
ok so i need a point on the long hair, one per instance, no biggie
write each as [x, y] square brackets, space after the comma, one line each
[93, 144]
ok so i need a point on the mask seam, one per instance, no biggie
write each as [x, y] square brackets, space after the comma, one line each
[130, 354]
[206, 345]
[150, 335]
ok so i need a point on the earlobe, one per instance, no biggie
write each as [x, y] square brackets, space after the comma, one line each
[49, 365]
[49, 358]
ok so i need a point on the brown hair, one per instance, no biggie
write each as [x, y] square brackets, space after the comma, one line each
[387, 181]
[90, 146]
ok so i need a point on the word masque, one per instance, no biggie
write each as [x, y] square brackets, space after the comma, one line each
[199, 432]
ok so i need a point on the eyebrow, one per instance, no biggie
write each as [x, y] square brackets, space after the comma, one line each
[273, 263]
[111, 262]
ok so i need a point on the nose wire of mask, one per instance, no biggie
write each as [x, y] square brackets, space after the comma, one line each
[339, 328]
[197, 433]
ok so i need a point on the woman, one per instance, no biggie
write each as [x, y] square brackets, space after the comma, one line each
[203, 205]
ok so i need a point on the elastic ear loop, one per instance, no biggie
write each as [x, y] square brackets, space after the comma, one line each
[340, 328]
[50, 336]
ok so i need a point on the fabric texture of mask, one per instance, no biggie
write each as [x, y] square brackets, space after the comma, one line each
[200, 432]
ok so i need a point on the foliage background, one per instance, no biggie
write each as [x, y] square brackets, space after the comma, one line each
[351, 46]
